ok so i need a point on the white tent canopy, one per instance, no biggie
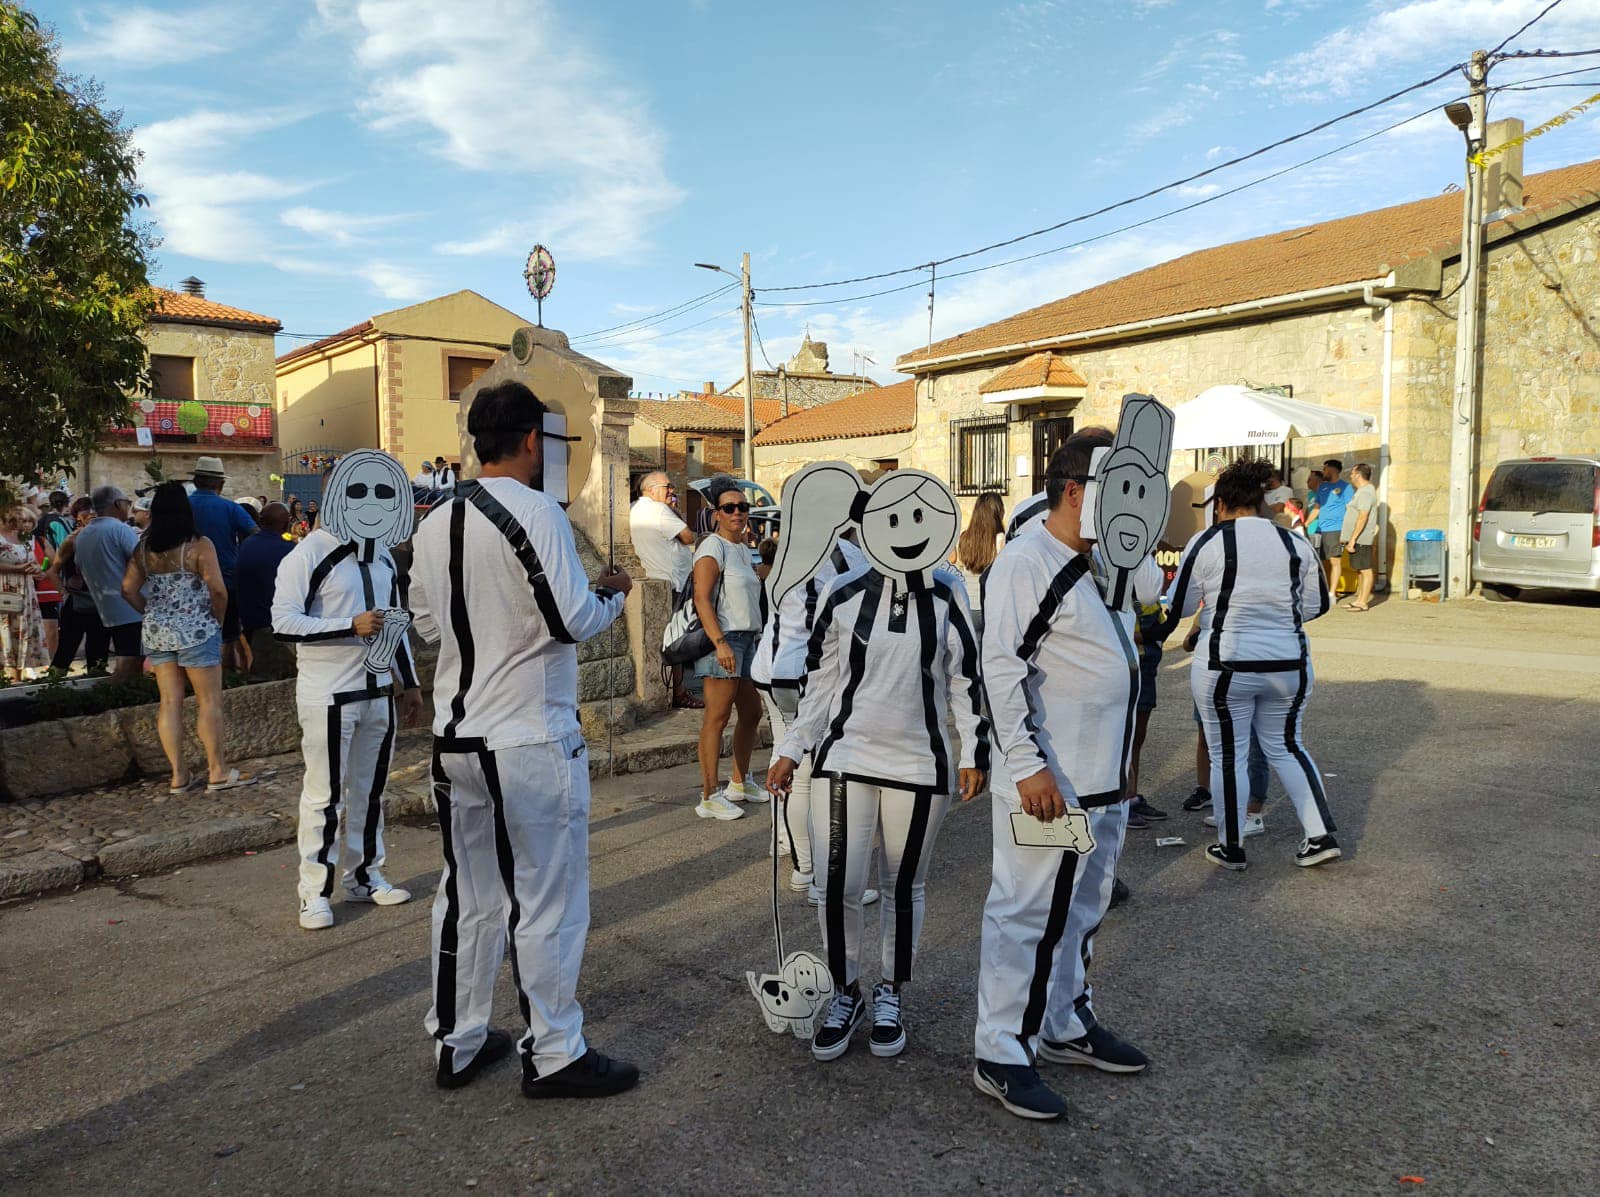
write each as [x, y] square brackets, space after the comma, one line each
[1236, 415]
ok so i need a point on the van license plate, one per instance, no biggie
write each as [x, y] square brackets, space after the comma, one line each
[1534, 542]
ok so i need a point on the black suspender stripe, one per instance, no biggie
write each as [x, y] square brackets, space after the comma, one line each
[517, 537]
[1180, 585]
[1132, 654]
[1060, 586]
[833, 911]
[1044, 956]
[931, 646]
[971, 671]
[1230, 758]
[507, 861]
[872, 583]
[1230, 578]
[1292, 742]
[326, 856]
[444, 965]
[319, 575]
[380, 779]
[369, 597]
[905, 948]
[460, 621]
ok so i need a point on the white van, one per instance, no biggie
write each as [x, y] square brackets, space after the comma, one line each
[1538, 526]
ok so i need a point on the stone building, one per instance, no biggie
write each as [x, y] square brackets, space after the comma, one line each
[1357, 313]
[212, 396]
[872, 430]
[694, 436]
[393, 382]
[803, 381]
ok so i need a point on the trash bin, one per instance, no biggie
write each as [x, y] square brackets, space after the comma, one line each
[1427, 558]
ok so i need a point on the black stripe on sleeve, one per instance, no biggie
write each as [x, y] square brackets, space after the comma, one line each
[1060, 586]
[460, 621]
[932, 647]
[856, 667]
[319, 575]
[970, 670]
[517, 537]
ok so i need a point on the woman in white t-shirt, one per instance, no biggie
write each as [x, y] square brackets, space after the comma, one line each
[727, 596]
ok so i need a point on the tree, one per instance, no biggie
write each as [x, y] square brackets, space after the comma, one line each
[74, 291]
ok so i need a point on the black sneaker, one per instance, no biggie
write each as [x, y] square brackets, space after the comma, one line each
[1136, 819]
[1145, 810]
[1098, 1049]
[888, 1031]
[1315, 851]
[1199, 800]
[1119, 893]
[1019, 1089]
[845, 1013]
[495, 1048]
[594, 1074]
[1225, 857]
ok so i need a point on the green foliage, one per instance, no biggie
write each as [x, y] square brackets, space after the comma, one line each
[74, 293]
[57, 700]
[155, 471]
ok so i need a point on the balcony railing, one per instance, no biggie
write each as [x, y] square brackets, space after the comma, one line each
[194, 422]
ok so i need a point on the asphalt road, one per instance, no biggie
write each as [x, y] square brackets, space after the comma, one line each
[1424, 1008]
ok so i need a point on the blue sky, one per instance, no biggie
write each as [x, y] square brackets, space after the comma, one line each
[323, 161]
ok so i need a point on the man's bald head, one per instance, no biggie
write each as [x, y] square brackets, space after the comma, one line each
[274, 518]
[651, 483]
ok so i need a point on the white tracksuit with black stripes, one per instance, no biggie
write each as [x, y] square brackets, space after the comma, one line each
[497, 582]
[347, 717]
[885, 666]
[1062, 675]
[1255, 585]
[778, 666]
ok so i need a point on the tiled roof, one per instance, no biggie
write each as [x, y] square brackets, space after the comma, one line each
[355, 330]
[766, 410]
[688, 415]
[179, 307]
[1040, 370]
[1349, 250]
[871, 413]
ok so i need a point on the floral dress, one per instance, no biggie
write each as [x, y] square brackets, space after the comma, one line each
[21, 632]
[177, 611]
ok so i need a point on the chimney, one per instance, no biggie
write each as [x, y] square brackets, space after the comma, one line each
[710, 389]
[1503, 192]
[193, 286]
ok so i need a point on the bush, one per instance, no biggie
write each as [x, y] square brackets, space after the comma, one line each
[57, 700]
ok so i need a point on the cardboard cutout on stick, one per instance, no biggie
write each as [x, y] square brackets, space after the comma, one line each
[367, 502]
[1128, 498]
[816, 508]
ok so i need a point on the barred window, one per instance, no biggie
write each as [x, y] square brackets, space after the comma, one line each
[978, 448]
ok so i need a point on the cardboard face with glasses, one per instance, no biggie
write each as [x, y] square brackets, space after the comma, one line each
[1127, 498]
[367, 501]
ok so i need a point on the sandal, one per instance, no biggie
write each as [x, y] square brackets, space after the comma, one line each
[1357, 607]
[185, 787]
[233, 781]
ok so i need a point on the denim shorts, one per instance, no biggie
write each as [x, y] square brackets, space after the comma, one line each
[196, 656]
[743, 645]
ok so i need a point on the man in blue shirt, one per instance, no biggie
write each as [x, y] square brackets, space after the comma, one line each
[100, 552]
[1328, 512]
[256, 575]
[226, 524]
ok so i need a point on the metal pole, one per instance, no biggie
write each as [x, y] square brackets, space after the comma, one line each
[1464, 404]
[749, 377]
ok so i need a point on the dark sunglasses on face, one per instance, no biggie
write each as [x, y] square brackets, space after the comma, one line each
[731, 508]
[358, 490]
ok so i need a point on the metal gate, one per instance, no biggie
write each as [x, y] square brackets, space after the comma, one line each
[1048, 436]
[302, 472]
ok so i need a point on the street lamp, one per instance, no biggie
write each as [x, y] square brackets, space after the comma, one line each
[749, 372]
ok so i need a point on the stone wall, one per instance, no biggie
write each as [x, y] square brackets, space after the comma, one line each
[248, 473]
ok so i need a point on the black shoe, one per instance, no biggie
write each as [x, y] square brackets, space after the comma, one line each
[1098, 1049]
[1226, 857]
[1315, 851]
[495, 1048]
[595, 1074]
[845, 1012]
[1143, 808]
[1019, 1089]
[1136, 819]
[1199, 800]
[888, 1029]
[1119, 893]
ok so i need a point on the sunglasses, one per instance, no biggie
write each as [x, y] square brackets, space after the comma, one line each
[731, 508]
[358, 490]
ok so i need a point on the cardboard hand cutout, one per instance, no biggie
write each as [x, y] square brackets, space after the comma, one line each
[1128, 498]
[383, 644]
[367, 502]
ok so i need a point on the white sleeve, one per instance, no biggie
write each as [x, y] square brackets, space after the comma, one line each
[571, 611]
[964, 670]
[404, 669]
[1319, 603]
[1187, 594]
[1017, 589]
[290, 599]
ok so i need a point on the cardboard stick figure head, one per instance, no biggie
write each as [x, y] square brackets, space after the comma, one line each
[1128, 492]
[366, 501]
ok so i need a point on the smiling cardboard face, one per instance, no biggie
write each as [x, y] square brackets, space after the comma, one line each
[368, 498]
[1131, 492]
[909, 524]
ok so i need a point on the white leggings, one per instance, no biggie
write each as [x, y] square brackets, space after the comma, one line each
[794, 812]
[845, 822]
[1233, 704]
[347, 749]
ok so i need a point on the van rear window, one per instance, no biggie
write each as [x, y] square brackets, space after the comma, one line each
[1559, 486]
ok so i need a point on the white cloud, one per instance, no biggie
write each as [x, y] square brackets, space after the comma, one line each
[507, 90]
[1198, 190]
[340, 228]
[138, 36]
[395, 282]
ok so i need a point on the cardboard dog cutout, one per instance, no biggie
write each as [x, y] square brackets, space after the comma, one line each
[367, 502]
[792, 998]
[1127, 499]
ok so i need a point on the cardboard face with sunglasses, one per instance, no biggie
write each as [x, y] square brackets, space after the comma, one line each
[367, 501]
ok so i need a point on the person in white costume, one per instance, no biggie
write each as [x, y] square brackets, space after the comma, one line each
[336, 593]
[498, 583]
[891, 657]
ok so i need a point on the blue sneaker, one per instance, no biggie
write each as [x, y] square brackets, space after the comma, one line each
[1018, 1088]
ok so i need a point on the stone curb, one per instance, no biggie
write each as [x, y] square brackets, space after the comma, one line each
[214, 837]
[35, 872]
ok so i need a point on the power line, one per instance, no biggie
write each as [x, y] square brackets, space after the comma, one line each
[1544, 12]
[1546, 54]
[626, 340]
[657, 317]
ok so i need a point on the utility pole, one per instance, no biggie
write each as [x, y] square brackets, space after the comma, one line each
[1469, 320]
[749, 375]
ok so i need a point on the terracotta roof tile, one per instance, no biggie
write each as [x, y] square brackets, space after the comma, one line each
[871, 413]
[1040, 370]
[1349, 250]
[766, 410]
[688, 415]
[179, 307]
[355, 330]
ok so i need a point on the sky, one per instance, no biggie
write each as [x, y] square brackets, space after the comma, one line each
[326, 160]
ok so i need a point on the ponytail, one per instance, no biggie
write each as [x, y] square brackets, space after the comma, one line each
[817, 505]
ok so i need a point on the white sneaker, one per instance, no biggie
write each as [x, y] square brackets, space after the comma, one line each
[814, 896]
[718, 807]
[378, 891]
[800, 882]
[746, 791]
[1253, 824]
[316, 914]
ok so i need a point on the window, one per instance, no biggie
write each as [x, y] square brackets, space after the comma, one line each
[694, 457]
[174, 377]
[738, 454]
[1048, 436]
[462, 372]
[978, 454]
[884, 464]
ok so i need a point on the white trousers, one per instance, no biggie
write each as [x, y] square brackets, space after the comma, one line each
[1039, 923]
[844, 817]
[347, 750]
[1231, 705]
[515, 830]
[794, 812]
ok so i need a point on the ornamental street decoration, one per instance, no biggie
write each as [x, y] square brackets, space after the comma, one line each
[540, 275]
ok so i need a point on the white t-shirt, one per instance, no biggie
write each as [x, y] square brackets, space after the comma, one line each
[739, 603]
[655, 528]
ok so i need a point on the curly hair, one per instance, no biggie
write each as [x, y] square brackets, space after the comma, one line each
[1243, 484]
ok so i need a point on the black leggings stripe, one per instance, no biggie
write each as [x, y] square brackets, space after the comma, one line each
[507, 861]
[330, 815]
[1055, 925]
[1230, 783]
[444, 997]
[380, 780]
[1291, 741]
[838, 833]
[910, 862]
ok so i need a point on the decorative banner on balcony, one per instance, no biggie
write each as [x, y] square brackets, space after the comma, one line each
[213, 423]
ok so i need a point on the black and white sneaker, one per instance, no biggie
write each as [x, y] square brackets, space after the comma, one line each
[1199, 800]
[888, 1031]
[1098, 1049]
[1019, 1089]
[845, 1013]
[1119, 893]
[1315, 851]
[1140, 806]
[1136, 819]
[1225, 857]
